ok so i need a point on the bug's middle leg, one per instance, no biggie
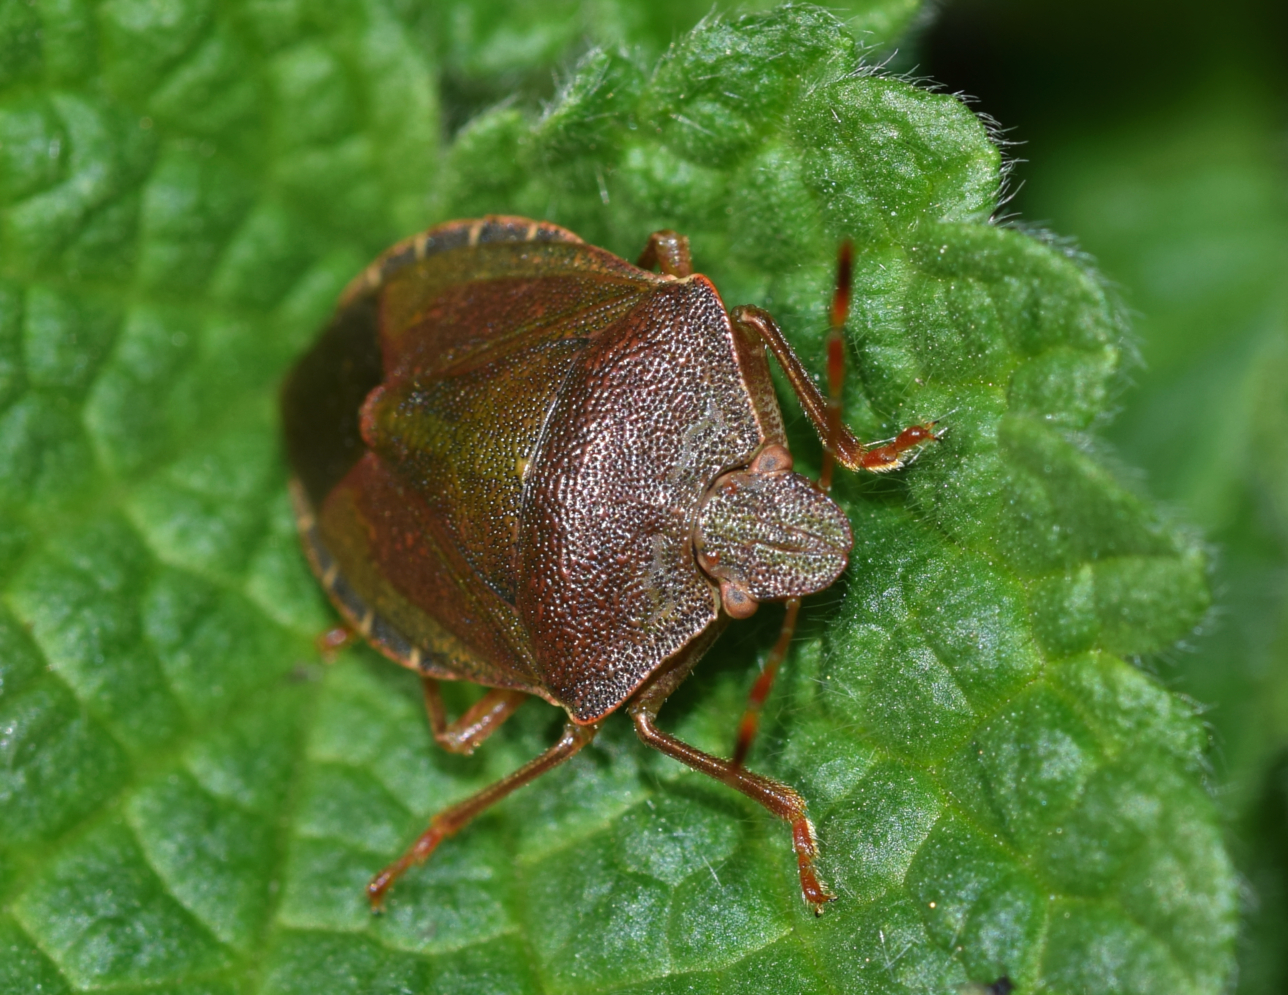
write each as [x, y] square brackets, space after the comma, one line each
[780, 799]
[482, 719]
[452, 820]
[669, 252]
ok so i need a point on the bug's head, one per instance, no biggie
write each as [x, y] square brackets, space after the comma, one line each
[767, 534]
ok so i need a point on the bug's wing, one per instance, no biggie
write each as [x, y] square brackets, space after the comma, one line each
[463, 445]
[403, 582]
[322, 397]
[473, 306]
[459, 354]
[324, 393]
[474, 365]
[652, 413]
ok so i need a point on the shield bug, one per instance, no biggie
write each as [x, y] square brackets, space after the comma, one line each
[521, 461]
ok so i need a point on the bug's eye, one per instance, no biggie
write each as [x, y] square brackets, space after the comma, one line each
[737, 600]
[771, 536]
[772, 459]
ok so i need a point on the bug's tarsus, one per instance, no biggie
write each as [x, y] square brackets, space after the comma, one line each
[891, 455]
[331, 643]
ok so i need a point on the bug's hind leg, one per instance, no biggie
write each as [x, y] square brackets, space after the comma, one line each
[452, 820]
[780, 799]
[333, 641]
[482, 719]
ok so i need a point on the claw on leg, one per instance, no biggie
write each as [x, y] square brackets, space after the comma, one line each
[780, 799]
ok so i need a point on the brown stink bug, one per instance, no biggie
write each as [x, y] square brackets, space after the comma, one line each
[521, 461]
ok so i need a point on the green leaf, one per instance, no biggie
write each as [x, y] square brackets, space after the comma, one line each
[492, 50]
[1202, 248]
[191, 802]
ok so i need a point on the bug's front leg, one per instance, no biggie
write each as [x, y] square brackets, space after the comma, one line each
[837, 438]
[780, 799]
[839, 444]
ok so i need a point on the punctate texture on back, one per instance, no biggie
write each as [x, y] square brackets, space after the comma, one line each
[607, 534]
[534, 451]
[188, 800]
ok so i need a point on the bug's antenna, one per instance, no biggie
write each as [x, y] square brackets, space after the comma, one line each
[836, 360]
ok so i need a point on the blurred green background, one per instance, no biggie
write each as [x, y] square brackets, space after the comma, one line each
[1156, 135]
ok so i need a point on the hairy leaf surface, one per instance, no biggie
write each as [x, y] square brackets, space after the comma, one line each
[190, 801]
